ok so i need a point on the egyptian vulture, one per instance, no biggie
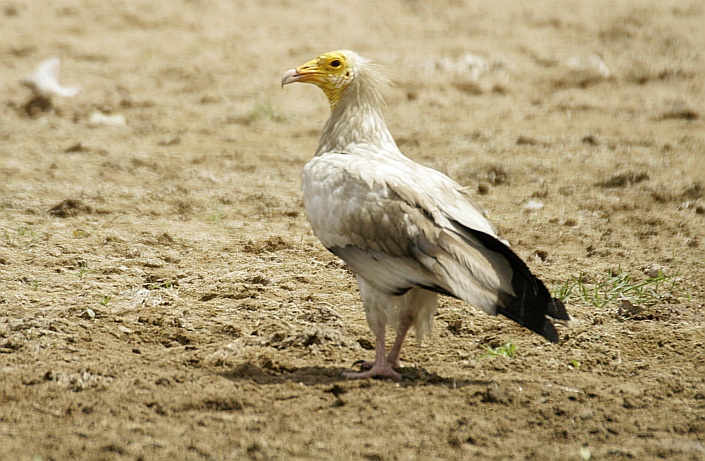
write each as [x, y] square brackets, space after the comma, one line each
[407, 232]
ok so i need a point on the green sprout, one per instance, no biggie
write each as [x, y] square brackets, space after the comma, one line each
[23, 237]
[507, 350]
[615, 286]
[83, 269]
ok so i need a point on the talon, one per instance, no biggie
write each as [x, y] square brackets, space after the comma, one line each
[374, 373]
[363, 364]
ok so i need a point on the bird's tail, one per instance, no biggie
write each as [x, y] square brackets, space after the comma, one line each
[532, 305]
[535, 314]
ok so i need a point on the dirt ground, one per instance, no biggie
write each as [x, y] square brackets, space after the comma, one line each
[162, 295]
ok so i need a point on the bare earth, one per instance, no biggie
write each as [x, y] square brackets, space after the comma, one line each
[162, 295]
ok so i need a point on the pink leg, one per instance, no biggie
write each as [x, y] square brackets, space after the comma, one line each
[393, 357]
[380, 369]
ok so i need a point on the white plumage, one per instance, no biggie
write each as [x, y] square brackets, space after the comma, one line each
[407, 231]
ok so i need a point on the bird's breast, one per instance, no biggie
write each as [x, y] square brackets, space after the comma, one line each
[344, 206]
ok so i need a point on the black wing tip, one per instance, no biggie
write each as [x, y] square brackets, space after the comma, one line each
[549, 332]
[556, 309]
[536, 318]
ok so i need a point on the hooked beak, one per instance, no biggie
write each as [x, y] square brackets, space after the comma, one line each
[305, 73]
[290, 76]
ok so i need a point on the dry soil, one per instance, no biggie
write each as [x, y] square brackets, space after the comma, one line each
[162, 295]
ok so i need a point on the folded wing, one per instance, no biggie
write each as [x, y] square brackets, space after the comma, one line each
[400, 225]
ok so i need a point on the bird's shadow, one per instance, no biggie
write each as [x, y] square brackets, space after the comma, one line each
[316, 375]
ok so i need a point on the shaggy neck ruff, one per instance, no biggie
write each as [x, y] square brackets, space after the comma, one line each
[356, 119]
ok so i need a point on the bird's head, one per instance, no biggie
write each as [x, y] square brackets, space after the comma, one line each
[332, 72]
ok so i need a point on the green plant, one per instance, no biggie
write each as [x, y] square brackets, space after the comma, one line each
[216, 213]
[105, 299]
[576, 365]
[9, 238]
[616, 285]
[26, 231]
[83, 269]
[23, 237]
[507, 350]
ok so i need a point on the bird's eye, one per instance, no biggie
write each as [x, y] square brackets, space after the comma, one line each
[335, 63]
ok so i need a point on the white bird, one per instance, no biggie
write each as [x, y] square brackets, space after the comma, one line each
[408, 232]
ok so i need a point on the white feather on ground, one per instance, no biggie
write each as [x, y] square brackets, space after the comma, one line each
[44, 81]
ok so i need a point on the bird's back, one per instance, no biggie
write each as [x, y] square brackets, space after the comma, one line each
[401, 225]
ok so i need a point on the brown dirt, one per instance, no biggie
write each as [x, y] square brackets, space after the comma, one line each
[162, 296]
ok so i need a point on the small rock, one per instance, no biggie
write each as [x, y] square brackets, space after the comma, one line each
[100, 119]
[533, 205]
[496, 395]
[654, 271]
[589, 66]
[627, 308]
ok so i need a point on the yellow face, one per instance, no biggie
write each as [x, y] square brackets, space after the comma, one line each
[331, 72]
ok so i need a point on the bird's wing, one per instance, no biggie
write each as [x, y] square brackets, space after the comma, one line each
[401, 225]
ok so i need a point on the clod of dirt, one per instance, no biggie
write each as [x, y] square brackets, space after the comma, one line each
[541, 255]
[591, 140]
[529, 141]
[11, 10]
[566, 191]
[337, 390]
[272, 244]
[469, 87]
[623, 179]
[78, 147]
[496, 395]
[322, 314]
[165, 239]
[310, 336]
[208, 296]
[37, 105]
[497, 174]
[654, 270]
[694, 191]
[626, 308]
[70, 208]
[679, 112]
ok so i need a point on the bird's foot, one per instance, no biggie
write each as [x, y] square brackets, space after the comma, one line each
[373, 370]
[366, 364]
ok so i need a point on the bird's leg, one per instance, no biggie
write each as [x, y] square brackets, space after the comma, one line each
[405, 323]
[381, 367]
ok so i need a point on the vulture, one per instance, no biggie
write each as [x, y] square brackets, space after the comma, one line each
[407, 232]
